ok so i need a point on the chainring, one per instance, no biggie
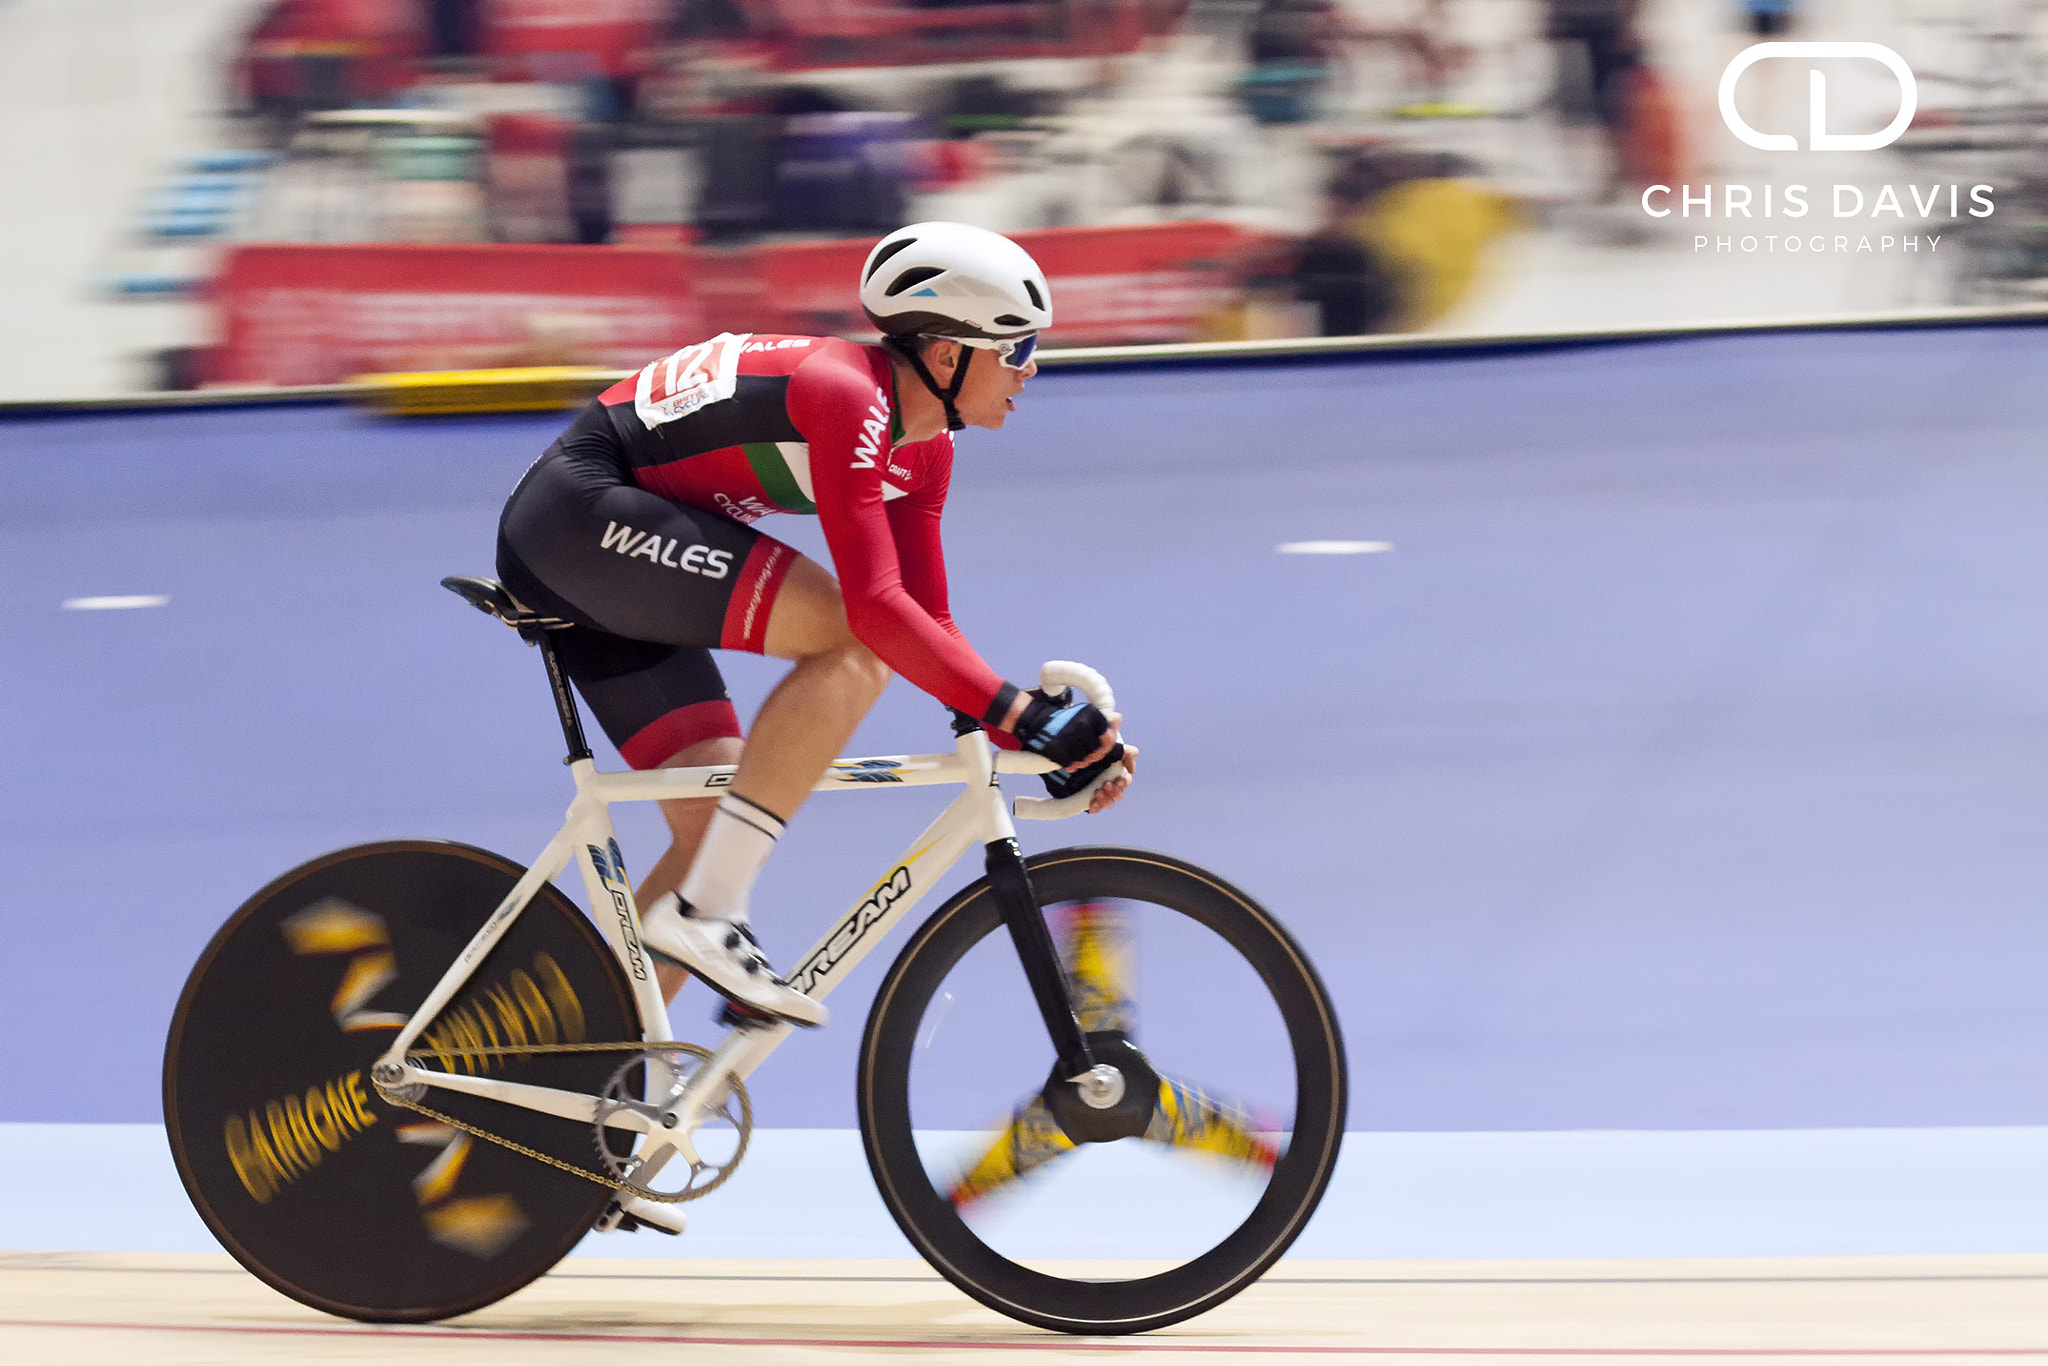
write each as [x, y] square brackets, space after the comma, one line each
[685, 1060]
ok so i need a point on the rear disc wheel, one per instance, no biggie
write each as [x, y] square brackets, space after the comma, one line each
[311, 1179]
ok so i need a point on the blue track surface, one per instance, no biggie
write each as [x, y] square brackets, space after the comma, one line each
[1683, 766]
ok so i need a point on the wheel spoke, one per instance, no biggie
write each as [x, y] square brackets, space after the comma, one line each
[1028, 1142]
[1096, 951]
[1189, 1117]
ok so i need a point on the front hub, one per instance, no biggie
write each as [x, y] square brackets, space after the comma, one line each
[1090, 1108]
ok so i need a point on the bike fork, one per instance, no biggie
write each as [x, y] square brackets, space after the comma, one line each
[1040, 960]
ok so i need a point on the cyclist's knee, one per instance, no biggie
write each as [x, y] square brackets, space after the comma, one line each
[859, 669]
[808, 624]
[864, 668]
[809, 615]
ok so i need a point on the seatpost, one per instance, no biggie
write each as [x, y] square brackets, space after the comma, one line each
[565, 701]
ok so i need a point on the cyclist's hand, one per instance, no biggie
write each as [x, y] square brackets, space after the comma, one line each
[1072, 734]
[1065, 783]
[1112, 792]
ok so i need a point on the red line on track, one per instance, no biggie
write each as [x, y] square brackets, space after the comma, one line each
[1050, 1344]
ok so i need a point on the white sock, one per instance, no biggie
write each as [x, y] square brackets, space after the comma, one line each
[737, 842]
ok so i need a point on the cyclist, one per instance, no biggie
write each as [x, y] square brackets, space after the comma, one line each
[636, 526]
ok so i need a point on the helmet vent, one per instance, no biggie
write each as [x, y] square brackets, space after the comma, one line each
[916, 275]
[1012, 320]
[884, 253]
[1036, 301]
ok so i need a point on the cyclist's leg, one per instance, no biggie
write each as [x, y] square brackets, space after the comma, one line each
[657, 583]
[638, 652]
[806, 722]
[801, 728]
[664, 707]
[686, 823]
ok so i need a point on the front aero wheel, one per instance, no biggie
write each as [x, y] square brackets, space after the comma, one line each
[1144, 1214]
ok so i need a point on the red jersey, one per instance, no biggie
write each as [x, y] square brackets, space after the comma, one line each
[746, 425]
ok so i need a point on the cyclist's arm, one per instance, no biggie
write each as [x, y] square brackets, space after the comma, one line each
[914, 525]
[914, 521]
[835, 404]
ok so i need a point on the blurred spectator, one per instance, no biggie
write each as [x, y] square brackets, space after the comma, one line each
[1770, 87]
[739, 190]
[1290, 45]
[1170, 171]
[983, 104]
[1404, 240]
[1437, 58]
[1598, 48]
[529, 178]
[1653, 150]
[1350, 289]
[455, 28]
[844, 172]
[1430, 55]
[376, 176]
[1433, 235]
[699, 20]
[1768, 18]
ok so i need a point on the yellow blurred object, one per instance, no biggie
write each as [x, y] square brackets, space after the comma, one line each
[1441, 109]
[522, 390]
[1031, 1139]
[1096, 953]
[1434, 235]
[1188, 1118]
[1260, 315]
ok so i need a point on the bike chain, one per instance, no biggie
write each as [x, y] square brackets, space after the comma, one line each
[546, 1159]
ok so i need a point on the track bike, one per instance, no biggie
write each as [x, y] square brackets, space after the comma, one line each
[406, 1078]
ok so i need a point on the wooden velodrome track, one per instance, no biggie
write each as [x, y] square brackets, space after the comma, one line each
[78, 1308]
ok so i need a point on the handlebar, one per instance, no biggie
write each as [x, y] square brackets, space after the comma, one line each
[1054, 675]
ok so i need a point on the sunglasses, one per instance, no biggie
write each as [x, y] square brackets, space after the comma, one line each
[1014, 352]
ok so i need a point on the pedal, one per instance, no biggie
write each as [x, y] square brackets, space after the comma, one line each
[629, 1214]
[734, 1015]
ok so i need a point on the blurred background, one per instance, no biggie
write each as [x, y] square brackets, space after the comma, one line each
[295, 191]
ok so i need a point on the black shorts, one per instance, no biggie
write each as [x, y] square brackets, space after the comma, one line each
[1769, 23]
[653, 587]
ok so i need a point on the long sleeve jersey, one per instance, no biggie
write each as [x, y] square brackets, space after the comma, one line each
[748, 425]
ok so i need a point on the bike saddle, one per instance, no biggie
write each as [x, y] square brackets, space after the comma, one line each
[488, 595]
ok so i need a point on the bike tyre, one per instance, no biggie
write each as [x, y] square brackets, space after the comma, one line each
[1299, 1179]
[438, 893]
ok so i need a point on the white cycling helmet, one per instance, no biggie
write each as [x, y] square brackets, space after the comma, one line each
[953, 280]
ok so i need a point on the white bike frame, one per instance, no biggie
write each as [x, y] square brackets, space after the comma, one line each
[977, 817]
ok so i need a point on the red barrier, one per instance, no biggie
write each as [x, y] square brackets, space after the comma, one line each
[806, 34]
[319, 314]
[314, 53]
[549, 36]
[1155, 282]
